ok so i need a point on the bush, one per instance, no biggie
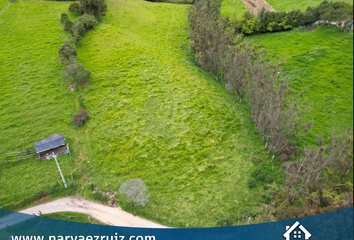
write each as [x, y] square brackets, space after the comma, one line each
[74, 7]
[81, 100]
[252, 182]
[75, 72]
[78, 28]
[136, 191]
[224, 222]
[80, 118]
[64, 17]
[67, 53]
[87, 21]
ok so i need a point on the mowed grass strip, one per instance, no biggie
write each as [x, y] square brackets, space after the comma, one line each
[34, 101]
[289, 5]
[155, 115]
[322, 61]
[231, 7]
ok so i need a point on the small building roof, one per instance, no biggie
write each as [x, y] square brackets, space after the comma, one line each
[49, 143]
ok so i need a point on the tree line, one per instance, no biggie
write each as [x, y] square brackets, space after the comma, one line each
[268, 21]
[247, 72]
[73, 71]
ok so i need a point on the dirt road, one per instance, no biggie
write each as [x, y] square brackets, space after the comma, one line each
[255, 6]
[105, 214]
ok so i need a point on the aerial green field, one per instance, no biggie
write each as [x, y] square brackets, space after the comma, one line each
[153, 113]
[289, 5]
[231, 7]
[34, 101]
[321, 61]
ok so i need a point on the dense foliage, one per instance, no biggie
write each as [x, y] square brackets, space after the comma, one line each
[268, 21]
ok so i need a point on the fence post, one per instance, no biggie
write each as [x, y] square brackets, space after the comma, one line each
[22, 190]
[145, 210]
[39, 185]
[2, 196]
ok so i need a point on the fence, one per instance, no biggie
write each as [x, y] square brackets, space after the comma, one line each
[28, 153]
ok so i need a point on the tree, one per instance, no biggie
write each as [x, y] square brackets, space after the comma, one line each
[74, 7]
[92, 7]
[136, 190]
[75, 72]
[67, 53]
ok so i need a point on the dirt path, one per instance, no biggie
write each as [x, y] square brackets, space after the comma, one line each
[255, 6]
[105, 214]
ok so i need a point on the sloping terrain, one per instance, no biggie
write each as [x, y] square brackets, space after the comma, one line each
[321, 61]
[153, 113]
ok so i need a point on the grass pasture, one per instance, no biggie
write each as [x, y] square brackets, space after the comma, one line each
[322, 61]
[289, 5]
[230, 7]
[157, 116]
[34, 101]
[3, 4]
[153, 113]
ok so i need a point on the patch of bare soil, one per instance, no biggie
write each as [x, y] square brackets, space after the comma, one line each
[255, 6]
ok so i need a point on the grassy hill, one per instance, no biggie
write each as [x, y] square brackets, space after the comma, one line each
[153, 113]
[289, 5]
[322, 61]
[230, 7]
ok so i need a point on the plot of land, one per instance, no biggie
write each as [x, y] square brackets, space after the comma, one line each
[322, 61]
[289, 5]
[153, 113]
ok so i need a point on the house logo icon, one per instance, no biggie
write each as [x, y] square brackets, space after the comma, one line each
[298, 231]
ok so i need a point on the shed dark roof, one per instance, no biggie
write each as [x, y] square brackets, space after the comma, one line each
[49, 143]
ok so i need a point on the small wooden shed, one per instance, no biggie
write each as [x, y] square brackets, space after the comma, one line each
[45, 147]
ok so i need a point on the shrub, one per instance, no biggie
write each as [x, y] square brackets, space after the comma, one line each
[252, 182]
[74, 7]
[224, 222]
[75, 72]
[80, 118]
[78, 28]
[67, 53]
[64, 17]
[87, 21]
[81, 100]
[136, 191]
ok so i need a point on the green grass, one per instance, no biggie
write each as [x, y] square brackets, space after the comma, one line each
[281, 5]
[230, 7]
[72, 216]
[157, 116]
[153, 113]
[322, 61]
[3, 3]
[34, 101]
